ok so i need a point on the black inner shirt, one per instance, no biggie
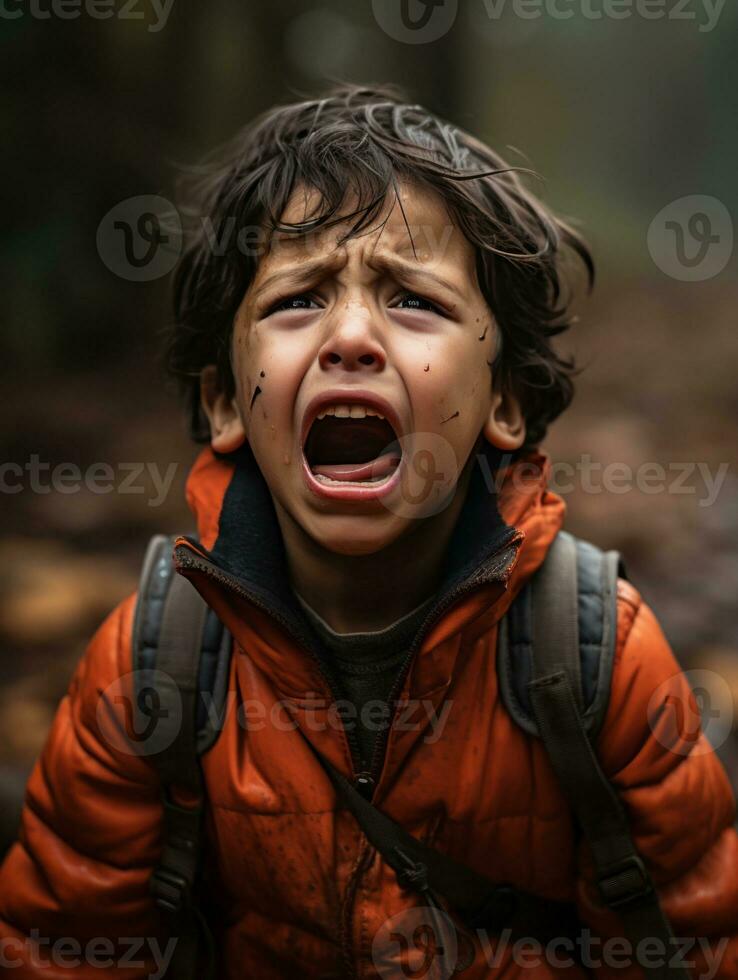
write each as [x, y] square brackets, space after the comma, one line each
[366, 666]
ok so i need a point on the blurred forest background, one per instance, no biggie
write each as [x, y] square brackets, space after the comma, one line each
[620, 117]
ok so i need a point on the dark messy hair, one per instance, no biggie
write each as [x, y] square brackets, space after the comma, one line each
[363, 141]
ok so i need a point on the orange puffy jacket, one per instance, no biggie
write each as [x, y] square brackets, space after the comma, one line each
[295, 889]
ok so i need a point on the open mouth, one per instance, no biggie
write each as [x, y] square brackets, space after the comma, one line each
[352, 446]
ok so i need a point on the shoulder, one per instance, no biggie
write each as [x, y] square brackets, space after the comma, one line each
[644, 667]
[108, 656]
[98, 710]
[653, 749]
[643, 657]
[629, 603]
[91, 826]
[652, 729]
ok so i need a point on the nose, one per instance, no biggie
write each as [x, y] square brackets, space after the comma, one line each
[353, 343]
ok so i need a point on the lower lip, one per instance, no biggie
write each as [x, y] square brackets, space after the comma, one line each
[372, 491]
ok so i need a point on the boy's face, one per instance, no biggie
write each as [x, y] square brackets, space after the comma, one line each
[404, 333]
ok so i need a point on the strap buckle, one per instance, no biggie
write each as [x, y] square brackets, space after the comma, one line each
[413, 875]
[170, 889]
[625, 883]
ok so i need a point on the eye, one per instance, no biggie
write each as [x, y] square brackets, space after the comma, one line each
[413, 301]
[301, 301]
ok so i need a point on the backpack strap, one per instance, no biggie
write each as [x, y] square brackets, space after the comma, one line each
[181, 652]
[445, 883]
[213, 653]
[591, 622]
[556, 698]
[179, 657]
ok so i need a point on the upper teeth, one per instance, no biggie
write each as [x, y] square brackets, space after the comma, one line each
[349, 411]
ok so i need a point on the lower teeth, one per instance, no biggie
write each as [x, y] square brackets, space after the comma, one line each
[322, 478]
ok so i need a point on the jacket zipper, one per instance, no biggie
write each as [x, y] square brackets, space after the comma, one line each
[489, 574]
[187, 559]
[493, 569]
[365, 781]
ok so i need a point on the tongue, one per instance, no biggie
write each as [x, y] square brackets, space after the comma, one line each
[375, 468]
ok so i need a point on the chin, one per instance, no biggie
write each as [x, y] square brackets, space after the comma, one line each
[354, 536]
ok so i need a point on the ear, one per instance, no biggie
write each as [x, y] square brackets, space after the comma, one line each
[505, 424]
[227, 431]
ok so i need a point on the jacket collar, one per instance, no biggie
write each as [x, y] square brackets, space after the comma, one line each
[508, 520]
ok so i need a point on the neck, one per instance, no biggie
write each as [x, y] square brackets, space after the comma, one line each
[361, 593]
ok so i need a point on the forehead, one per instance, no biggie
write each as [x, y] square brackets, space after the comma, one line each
[414, 224]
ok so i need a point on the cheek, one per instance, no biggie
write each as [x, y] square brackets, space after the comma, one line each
[450, 377]
[269, 373]
[472, 380]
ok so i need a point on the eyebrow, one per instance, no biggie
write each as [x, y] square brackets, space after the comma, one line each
[295, 275]
[404, 269]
